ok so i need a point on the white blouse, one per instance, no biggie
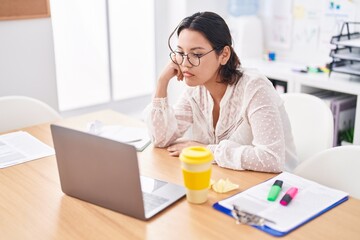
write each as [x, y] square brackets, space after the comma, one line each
[253, 131]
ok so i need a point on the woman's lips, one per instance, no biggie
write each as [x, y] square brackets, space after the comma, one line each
[187, 74]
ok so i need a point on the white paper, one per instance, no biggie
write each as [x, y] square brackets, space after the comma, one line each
[19, 147]
[311, 199]
[138, 137]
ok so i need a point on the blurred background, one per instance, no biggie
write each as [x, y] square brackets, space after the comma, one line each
[85, 55]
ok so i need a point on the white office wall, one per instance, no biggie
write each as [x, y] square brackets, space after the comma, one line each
[27, 64]
[81, 52]
[132, 45]
[220, 7]
[297, 29]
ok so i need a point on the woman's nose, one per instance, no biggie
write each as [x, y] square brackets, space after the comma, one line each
[186, 62]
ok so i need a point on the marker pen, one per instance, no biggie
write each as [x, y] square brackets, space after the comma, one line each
[275, 190]
[289, 195]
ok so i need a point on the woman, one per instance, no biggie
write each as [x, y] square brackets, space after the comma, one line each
[234, 112]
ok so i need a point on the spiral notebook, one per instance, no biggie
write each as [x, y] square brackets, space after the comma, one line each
[311, 201]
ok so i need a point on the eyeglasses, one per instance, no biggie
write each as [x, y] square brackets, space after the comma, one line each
[194, 59]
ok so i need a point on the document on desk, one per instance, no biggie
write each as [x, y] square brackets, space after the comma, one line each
[312, 200]
[138, 137]
[19, 147]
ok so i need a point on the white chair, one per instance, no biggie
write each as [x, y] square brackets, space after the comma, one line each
[337, 167]
[20, 111]
[311, 122]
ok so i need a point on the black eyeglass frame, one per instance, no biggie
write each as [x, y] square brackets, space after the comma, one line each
[187, 56]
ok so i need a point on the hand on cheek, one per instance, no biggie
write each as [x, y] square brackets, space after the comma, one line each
[179, 75]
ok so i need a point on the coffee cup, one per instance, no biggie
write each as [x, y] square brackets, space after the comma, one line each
[196, 169]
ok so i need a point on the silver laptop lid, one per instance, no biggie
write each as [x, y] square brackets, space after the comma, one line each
[106, 173]
[92, 168]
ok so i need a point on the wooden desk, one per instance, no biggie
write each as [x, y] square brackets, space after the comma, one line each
[32, 205]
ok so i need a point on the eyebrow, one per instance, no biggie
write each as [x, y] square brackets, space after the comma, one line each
[195, 48]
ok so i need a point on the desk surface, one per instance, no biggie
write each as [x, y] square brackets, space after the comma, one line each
[33, 206]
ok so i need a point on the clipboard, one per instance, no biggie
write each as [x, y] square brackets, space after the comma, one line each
[333, 199]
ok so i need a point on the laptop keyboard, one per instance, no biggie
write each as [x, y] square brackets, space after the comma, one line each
[152, 201]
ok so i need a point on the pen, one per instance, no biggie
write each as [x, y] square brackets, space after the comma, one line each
[132, 141]
[300, 70]
[289, 195]
[275, 190]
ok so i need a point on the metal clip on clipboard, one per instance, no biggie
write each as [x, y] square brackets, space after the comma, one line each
[245, 217]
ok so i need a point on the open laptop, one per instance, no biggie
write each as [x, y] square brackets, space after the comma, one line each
[106, 173]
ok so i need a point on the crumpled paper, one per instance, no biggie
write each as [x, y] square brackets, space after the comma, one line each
[223, 186]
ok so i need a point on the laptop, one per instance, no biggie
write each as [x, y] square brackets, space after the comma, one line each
[106, 173]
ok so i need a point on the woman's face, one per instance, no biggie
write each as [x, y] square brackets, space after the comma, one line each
[207, 72]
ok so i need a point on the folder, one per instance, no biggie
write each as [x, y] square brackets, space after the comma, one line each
[344, 115]
[280, 86]
[343, 108]
[312, 200]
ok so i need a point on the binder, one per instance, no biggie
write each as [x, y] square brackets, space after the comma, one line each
[284, 219]
[343, 108]
[280, 86]
[344, 115]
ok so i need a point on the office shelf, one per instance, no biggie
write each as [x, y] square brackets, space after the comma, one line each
[349, 43]
[353, 69]
[346, 55]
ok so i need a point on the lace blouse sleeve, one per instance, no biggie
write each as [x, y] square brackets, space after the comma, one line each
[266, 151]
[165, 123]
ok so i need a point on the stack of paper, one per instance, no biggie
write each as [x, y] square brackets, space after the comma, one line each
[19, 147]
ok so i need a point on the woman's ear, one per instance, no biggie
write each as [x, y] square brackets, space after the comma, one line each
[225, 55]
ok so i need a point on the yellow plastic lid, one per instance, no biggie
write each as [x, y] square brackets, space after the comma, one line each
[196, 155]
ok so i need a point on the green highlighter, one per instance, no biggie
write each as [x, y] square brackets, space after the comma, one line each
[275, 190]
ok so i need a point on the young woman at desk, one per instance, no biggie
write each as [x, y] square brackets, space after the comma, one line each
[234, 112]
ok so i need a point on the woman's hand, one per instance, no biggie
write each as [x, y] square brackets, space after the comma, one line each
[175, 149]
[170, 71]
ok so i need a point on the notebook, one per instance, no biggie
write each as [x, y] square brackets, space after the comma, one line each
[106, 173]
[312, 200]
